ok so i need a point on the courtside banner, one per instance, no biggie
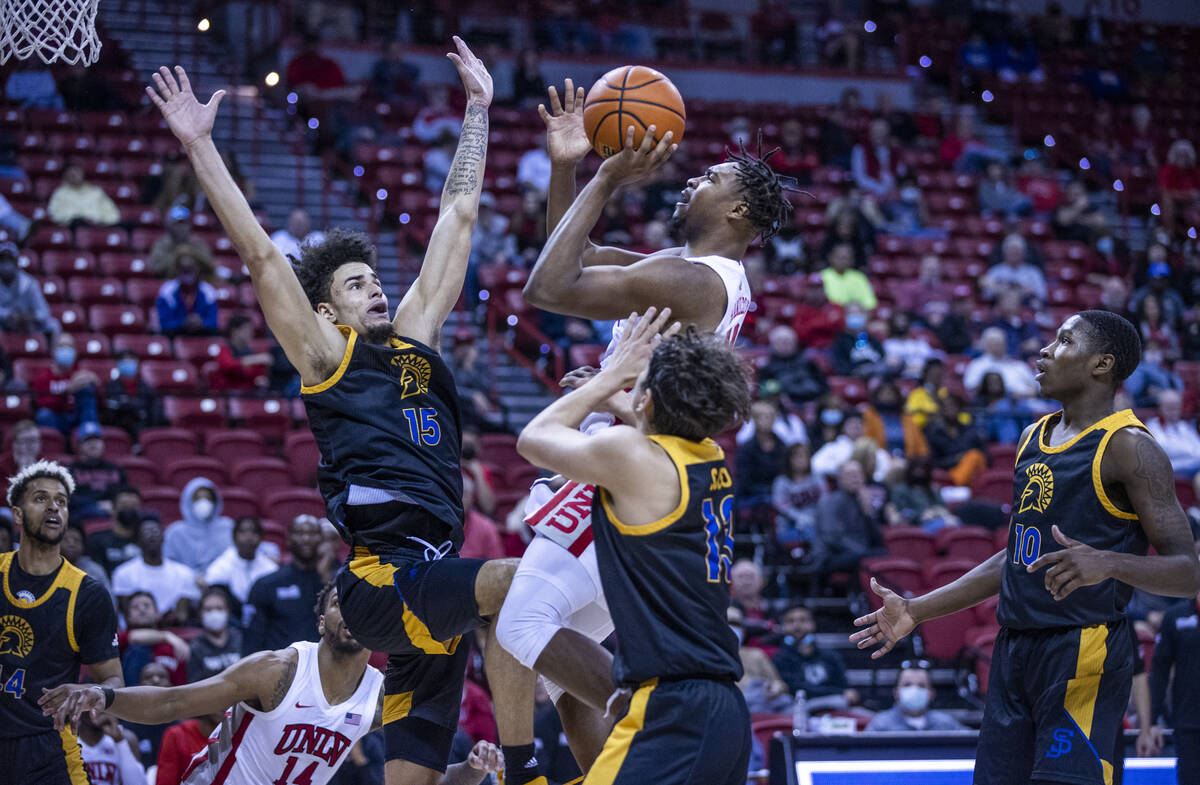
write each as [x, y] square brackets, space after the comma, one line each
[1138, 771]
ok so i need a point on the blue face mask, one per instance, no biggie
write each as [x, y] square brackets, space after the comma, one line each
[856, 321]
[127, 368]
[831, 417]
[808, 640]
[64, 356]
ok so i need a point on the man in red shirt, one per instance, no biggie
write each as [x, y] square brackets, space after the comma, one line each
[180, 743]
[316, 77]
[64, 395]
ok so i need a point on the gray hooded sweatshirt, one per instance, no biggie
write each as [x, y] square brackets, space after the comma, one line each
[194, 541]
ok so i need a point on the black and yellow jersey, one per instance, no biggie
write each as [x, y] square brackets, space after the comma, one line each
[667, 582]
[387, 424]
[49, 626]
[1061, 485]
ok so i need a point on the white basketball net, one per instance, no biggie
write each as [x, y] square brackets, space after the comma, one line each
[54, 30]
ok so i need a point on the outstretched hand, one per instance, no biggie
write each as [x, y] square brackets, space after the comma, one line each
[1075, 566]
[634, 163]
[632, 352]
[566, 140]
[474, 74]
[67, 701]
[187, 118]
[887, 626]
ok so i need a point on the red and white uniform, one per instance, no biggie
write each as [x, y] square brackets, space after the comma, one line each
[111, 762]
[558, 581]
[303, 740]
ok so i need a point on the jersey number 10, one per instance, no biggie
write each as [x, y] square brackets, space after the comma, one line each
[1027, 545]
[719, 539]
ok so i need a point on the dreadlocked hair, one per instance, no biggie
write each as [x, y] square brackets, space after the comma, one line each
[699, 385]
[319, 261]
[762, 188]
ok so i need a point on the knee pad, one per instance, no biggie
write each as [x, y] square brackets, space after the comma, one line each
[533, 612]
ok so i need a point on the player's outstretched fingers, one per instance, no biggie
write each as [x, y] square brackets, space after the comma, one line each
[629, 138]
[184, 84]
[555, 104]
[161, 86]
[169, 79]
[648, 140]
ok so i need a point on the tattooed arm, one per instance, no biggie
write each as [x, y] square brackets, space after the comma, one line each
[432, 296]
[261, 680]
[1137, 477]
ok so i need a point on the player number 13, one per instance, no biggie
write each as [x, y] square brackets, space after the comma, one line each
[719, 537]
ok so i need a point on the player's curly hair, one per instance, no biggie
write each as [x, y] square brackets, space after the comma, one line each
[319, 261]
[323, 596]
[18, 483]
[1111, 333]
[762, 188]
[699, 385]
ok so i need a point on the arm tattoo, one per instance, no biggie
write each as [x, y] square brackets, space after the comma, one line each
[1153, 467]
[467, 169]
[283, 684]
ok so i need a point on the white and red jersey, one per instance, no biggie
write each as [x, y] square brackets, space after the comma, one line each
[302, 741]
[111, 762]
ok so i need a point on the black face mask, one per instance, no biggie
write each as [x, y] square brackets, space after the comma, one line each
[469, 451]
[129, 518]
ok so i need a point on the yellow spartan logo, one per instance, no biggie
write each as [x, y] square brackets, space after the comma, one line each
[414, 374]
[1038, 490]
[16, 636]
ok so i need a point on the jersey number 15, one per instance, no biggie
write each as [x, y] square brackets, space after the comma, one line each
[719, 537]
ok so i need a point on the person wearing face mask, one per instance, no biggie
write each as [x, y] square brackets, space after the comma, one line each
[64, 395]
[805, 666]
[129, 402]
[203, 533]
[220, 645]
[911, 712]
[186, 304]
[113, 547]
[245, 562]
[23, 309]
[855, 351]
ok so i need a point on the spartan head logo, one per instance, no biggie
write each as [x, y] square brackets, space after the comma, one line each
[16, 636]
[414, 374]
[1039, 489]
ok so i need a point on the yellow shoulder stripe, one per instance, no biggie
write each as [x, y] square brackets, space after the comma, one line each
[683, 453]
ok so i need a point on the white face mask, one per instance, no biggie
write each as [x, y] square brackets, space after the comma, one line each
[203, 508]
[215, 620]
[914, 699]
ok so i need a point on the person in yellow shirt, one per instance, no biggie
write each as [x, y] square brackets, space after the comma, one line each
[842, 283]
[78, 201]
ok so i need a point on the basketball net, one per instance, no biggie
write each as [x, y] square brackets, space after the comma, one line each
[54, 30]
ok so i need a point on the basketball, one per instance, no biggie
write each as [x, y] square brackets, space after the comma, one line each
[631, 95]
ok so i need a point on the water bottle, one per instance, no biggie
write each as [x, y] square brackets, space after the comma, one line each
[800, 713]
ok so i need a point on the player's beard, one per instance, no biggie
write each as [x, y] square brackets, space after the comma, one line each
[42, 538]
[345, 647]
[378, 334]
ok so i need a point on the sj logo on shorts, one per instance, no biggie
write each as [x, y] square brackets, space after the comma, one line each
[1062, 743]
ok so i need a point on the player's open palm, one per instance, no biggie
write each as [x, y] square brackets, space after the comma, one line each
[187, 118]
[632, 353]
[473, 73]
[566, 139]
[886, 626]
[636, 163]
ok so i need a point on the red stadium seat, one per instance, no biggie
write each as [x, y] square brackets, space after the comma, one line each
[117, 442]
[271, 416]
[995, 485]
[944, 637]
[943, 571]
[24, 345]
[170, 376]
[261, 474]
[519, 475]
[97, 239]
[499, 448]
[199, 413]
[985, 612]
[198, 349]
[113, 319]
[180, 471]
[104, 367]
[1186, 492]
[125, 266]
[908, 542]
[142, 291]
[54, 288]
[93, 346]
[146, 347]
[982, 640]
[162, 501]
[900, 575]
[26, 368]
[140, 471]
[974, 543]
[161, 444]
[301, 453]
[53, 441]
[69, 263]
[72, 318]
[766, 726]
[287, 503]
[232, 445]
[14, 408]
[239, 503]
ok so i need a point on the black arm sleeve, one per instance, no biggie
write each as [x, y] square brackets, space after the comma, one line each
[95, 623]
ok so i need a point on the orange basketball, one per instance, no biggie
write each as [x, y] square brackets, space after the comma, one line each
[631, 95]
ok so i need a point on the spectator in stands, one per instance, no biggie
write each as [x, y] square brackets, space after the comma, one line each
[150, 737]
[12, 221]
[1078, 218]
[998, 195]
[1001, 416]
[26, 447]
[31, 85]
[481, 535]
[827, 460]
[1040, 184]
[244, 562]
[836, 138]
[171, 584]
[203, 533]
[96, 478]
[847, 520]
[129, 402]
[144, 641]
[805, 666]
[761, 459]
[915, 500]
[113, 547]
[816, 321]
[491, 243]
[1151, 377]
[1139, 139]
[1158, 283]
[185, 304]
[922, 402]
[315, 77]
[963, 150]
[1178, 182]
[1022, 336]
[64, 395]
[849, 224]
[956, 444]
[788, 427]
[795, 159]
[174, 186]
[799, 378]
[1177, 436]
[975, 57]
[298, 232]
[104, 753]
[437, 119]
[476, 470]
[838, 41]
[77, 202]
[220, 645]
[282, 605]
[533, 169]
[74, 550]
[180, 743]
[394, 78]
[471, 381]
[795, 494]
[843, 284]
[1114, 297]
[875, 162]
[1014, 272]
[746, 585]
[907, 214]
[167, 250]
[1103, 77]
[886, 423]
[1111, 260]
[905, 349]
[855, 351]
[911, 712]
[239, 367]
[929, 287]
[23, 309]
[761, 686]
[437, 162]
[1151, 325]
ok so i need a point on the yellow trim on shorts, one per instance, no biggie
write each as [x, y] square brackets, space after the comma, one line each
[396, 707]
[1082, 690]
[380, 575]
[683, 453]
[351, 338]
[74, 757]
[606, 768]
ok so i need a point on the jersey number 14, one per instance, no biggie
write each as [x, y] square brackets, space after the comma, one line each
[719, 537]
